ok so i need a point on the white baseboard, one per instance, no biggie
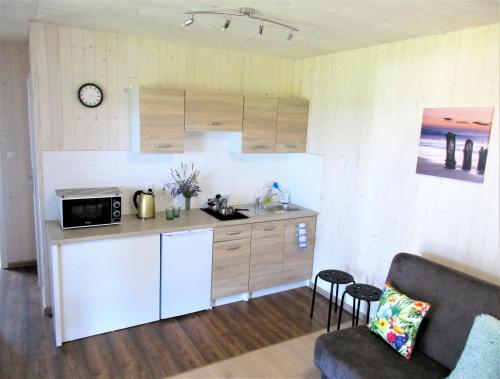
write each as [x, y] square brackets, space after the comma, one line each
[245, 296]
[285, 287]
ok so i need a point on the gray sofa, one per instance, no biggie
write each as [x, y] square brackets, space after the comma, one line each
[455, 298]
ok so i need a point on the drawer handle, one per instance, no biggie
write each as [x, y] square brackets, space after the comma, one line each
[233, 248]
[291, 146]
[259, 146]
[163, 145]
[214, 123]
[269, 229]
[233, 233]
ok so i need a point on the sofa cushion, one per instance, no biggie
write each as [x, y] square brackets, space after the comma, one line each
[480, 358]
[398, 319]
[456, 299]
[358, 353]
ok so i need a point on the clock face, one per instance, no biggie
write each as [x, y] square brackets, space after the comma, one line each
[90, 95]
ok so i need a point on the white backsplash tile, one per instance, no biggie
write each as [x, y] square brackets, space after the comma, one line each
[241, 176]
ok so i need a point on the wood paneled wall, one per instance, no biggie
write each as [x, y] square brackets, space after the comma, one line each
[365, 117]
[17, 238]
[66, 57]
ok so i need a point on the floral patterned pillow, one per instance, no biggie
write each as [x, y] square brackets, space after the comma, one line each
[398, 319]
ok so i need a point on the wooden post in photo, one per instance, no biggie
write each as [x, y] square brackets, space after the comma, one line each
[467, 163]
[450, 163]
[481, 164]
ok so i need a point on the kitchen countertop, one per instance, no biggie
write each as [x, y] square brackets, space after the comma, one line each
[189, 220]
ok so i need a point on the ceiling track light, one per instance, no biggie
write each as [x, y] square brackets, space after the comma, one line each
[188, 22]
[261, 30]
[244, 12]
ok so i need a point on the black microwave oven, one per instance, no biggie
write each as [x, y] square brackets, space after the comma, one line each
[86, 207]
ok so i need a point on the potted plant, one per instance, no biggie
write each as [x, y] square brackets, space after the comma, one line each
[185, 183]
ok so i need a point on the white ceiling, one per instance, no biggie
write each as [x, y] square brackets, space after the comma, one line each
[325, 25]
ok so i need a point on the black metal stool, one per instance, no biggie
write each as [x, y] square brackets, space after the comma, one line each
[334, 277]
[360, 292]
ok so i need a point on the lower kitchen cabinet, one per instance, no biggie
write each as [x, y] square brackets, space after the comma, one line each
[266, 257]
[297, 263]
[105, 285]
[230, 267]
[261, 255]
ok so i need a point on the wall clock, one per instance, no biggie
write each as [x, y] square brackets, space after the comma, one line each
[90, 95]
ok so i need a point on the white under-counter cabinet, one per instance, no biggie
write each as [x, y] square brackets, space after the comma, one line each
[105, 285]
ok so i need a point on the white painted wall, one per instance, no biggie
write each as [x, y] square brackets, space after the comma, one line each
[365, 115]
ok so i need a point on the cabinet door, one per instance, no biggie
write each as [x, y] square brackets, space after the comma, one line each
[161, 118]
[259, 125]
[230, 268]
[108, 285]
[297, 263]
[266, 257]
[212, 111]
[291, 135]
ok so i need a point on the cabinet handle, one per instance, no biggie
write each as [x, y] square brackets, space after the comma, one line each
[214, 123]
[233, 248]
[269, 229]
[233, 233]
[163, 145]
[291, 146]
[259, 146]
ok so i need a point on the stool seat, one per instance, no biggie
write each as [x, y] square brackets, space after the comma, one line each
[336, 276]
[364, 292]
[359, 291]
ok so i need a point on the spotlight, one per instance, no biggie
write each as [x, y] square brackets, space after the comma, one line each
[226, 24]
[188, 22]
[290, 37]
[261, 30]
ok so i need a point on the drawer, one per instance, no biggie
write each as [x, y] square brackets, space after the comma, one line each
[236, 232]
[230, 268]
[268, 230]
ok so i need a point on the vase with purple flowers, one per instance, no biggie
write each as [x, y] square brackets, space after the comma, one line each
[185, 183]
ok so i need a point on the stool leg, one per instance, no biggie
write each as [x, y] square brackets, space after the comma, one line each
[357, 312]
[336, 297]
[353, 311]
[314, 295]
[368, 314]
[330, 309]
[341, 309]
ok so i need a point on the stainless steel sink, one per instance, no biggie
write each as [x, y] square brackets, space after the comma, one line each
[280, 208]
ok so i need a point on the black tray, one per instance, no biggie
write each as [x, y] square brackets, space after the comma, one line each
[234, 216]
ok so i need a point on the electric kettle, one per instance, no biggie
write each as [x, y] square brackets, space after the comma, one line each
[144, 201]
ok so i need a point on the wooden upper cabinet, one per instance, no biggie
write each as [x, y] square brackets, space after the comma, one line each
[161, 120]
[213, 111]
[297, 262]
[291, 134]
[260, 115]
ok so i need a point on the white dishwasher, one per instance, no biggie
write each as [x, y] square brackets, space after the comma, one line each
[186, 272]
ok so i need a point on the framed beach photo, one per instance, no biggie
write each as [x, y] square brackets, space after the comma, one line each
[454, 142]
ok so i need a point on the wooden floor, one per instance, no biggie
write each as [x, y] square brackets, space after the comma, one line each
[153, 350]
[289, 359]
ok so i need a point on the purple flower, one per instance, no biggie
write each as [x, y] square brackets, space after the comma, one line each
[400, 341]
[184, 184]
